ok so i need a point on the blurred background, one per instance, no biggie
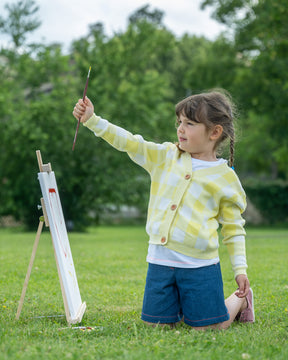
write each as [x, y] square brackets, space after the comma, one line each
[145, 57]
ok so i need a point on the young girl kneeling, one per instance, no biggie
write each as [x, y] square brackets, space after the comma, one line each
[192, 192]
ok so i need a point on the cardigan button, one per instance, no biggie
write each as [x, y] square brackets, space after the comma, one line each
[173, 207]
[163, 239]
[187, 177]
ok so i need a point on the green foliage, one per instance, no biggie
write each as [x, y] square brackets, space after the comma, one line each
[270, 198]
[261, 34]
[38, 101]
[145, 15]
[230, 12]
[20, 21]
[202, 64]
[111, 269]
[129, 87]
[137, 76]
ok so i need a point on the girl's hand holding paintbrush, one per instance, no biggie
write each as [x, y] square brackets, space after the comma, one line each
[83, 110]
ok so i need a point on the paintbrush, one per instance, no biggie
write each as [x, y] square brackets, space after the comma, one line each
[84, 94]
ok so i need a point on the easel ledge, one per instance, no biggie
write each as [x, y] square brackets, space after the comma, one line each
[42, 167]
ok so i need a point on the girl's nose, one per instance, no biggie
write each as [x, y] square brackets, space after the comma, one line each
[180, 128]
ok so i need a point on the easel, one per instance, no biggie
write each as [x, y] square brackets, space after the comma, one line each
[42, 219]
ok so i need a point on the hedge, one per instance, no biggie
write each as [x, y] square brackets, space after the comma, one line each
[270, 198]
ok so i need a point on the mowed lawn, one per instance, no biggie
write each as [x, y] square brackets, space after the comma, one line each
[111, 270]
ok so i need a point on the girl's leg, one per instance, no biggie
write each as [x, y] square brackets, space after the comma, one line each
[161, 298]
[234, 305]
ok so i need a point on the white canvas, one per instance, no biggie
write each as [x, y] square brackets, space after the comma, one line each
[61, 242]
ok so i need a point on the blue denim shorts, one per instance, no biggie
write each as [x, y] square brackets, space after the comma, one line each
[194, 295]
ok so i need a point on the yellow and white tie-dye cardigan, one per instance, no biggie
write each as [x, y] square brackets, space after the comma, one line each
[185, 206]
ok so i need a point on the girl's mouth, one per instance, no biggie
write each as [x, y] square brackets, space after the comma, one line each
[182, 139]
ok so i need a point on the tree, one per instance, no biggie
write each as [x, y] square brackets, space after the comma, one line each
[130, 86]
[201, 64]
[21, 20]
[143, 14]
[137, 77]
[37, 100]
[261, 41]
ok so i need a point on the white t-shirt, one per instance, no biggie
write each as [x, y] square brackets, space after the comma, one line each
[161, 255]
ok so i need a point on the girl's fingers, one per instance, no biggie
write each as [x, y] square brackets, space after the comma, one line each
[78, 112]
[80, 107]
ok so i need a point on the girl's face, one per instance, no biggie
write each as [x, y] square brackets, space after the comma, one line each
[195, 139]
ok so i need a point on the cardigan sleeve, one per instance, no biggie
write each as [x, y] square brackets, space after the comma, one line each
[144, 153]
[233, 232]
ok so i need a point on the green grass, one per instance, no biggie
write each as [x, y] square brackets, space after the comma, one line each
[111, 270]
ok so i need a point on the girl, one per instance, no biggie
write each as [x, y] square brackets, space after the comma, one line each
[192, 192]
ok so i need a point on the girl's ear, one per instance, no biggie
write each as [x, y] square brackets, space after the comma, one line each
[216, 132]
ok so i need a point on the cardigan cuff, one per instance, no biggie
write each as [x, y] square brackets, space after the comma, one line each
[240, 271]
[93, 120]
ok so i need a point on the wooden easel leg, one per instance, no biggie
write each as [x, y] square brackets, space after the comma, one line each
[40, 226]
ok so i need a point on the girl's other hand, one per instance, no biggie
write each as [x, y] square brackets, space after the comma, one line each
[83, 110]
[244, 286]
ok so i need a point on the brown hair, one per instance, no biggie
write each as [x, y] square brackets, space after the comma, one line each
[211, 108]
